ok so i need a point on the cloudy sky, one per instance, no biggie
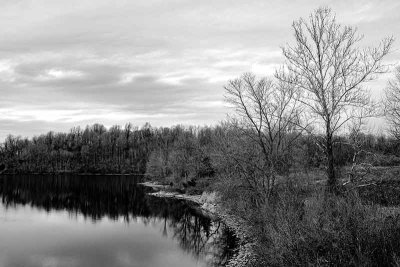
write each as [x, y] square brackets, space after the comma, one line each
[67, 63]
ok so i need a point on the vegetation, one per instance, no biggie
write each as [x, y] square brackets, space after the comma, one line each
[269, 163]
[392, 103]
[328, 68]
[267, 115]
[300, 223]
[94, 149]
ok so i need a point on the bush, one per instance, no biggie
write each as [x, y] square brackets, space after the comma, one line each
[385, 193]
[297, 228]
[383, 160]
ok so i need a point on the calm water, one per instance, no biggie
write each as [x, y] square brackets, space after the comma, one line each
[102, 221]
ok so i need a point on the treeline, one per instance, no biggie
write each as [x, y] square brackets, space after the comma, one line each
[178, 151]
[193, 152]
[175, 153]
[94, 149]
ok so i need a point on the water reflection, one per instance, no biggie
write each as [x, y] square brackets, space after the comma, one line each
[113, 201]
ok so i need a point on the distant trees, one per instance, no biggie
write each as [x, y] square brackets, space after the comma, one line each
[392, 104]
[329, 68]
[184, 157]
[94, 149]
[181, 154]
[156, 166]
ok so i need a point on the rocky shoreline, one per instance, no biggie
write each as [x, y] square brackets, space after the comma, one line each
[207, 203]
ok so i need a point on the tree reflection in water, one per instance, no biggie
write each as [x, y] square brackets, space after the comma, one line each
[116, 197]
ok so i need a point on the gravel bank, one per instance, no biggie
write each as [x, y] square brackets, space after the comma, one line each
[207, 202]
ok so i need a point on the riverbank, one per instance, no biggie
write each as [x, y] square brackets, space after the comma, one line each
[208, 204]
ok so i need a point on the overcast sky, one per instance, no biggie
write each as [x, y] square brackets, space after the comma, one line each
[67, 63]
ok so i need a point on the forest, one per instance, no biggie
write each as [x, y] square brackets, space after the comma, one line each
[178, 153]
[294, 162]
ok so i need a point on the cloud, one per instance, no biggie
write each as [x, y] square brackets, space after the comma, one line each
[164, 62]
[59, 74]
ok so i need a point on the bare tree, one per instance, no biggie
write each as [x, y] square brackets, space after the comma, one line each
[328, 66]
[392, 105]
[266, 113]
[360, 168]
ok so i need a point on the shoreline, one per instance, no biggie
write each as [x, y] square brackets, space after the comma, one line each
[208, 206]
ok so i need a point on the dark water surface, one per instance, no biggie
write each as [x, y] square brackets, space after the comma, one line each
[99, 221]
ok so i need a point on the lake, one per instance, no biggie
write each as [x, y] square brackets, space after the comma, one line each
[77, 220]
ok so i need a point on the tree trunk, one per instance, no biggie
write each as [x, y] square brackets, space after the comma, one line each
[332, 182]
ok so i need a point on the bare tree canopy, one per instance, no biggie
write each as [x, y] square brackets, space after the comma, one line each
[392, 104]
[266, 113]
[329, 68]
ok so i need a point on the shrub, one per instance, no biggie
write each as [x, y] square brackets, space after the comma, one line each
[299, 228]
[383, 160]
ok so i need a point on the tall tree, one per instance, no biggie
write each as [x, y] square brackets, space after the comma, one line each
[329, 67]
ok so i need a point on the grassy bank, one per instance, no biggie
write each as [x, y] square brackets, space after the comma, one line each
[301, 225]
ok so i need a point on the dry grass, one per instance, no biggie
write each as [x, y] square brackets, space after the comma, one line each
[302, 226]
